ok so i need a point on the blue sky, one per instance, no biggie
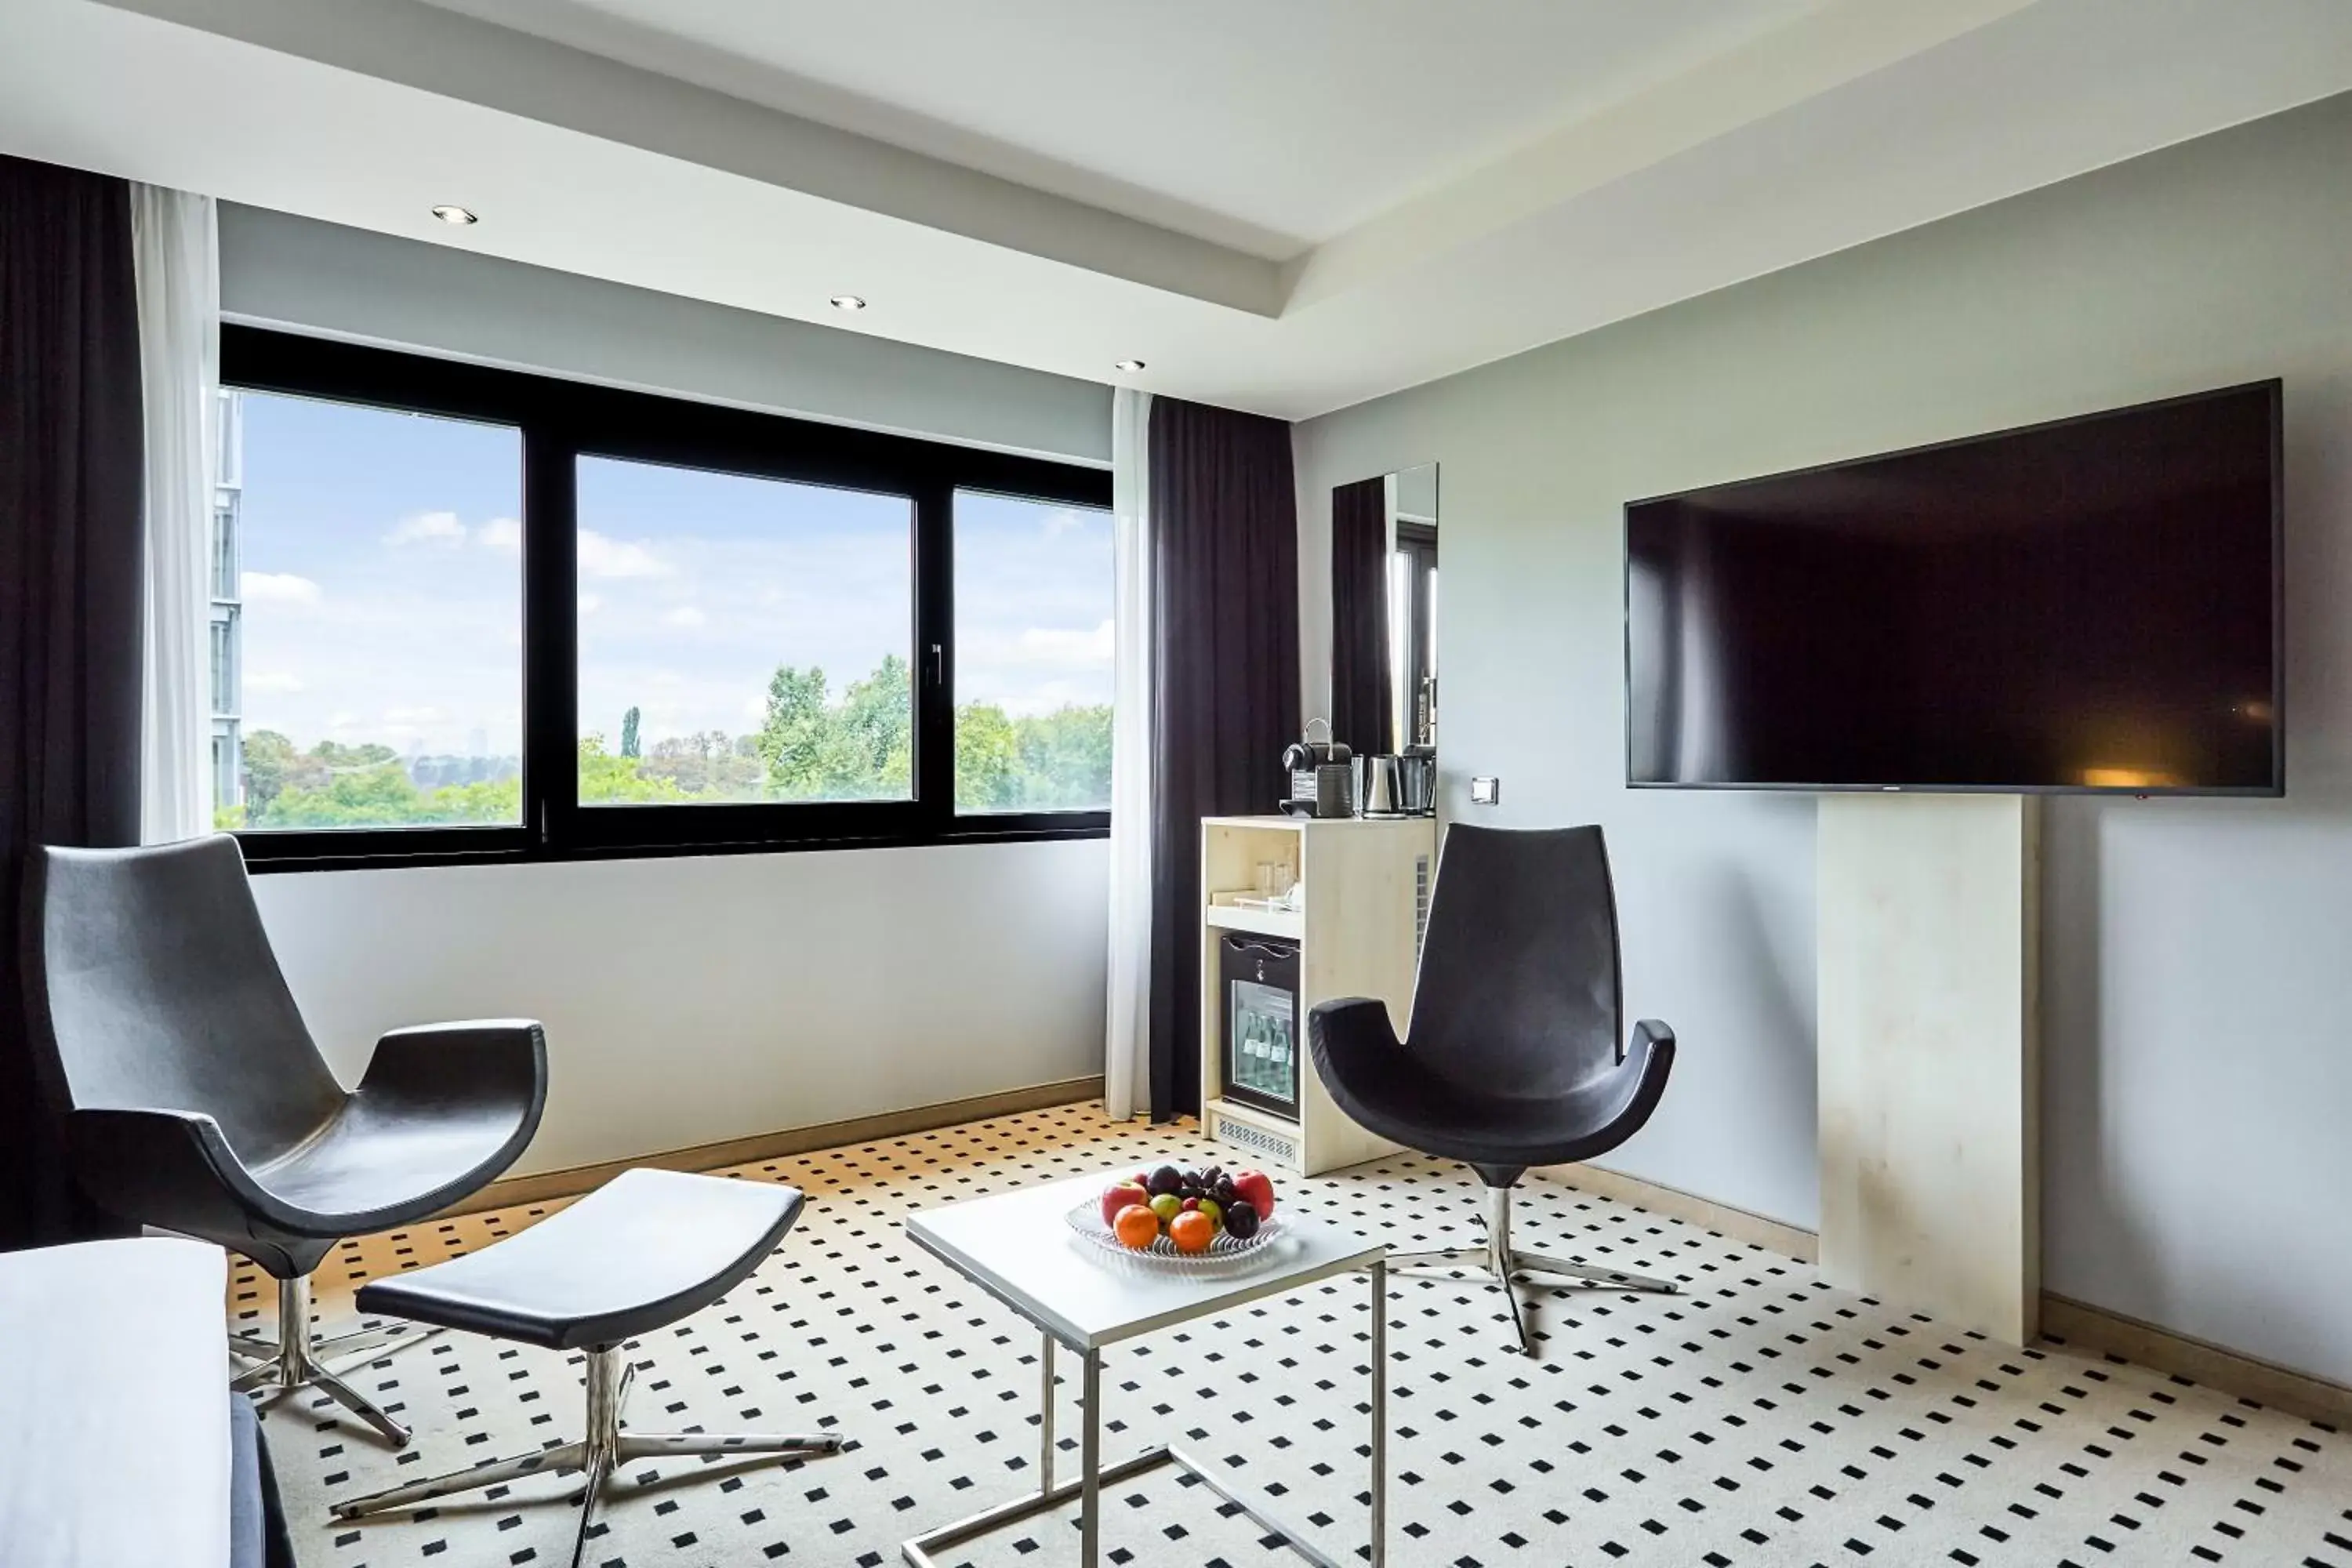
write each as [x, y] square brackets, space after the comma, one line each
[382, 587]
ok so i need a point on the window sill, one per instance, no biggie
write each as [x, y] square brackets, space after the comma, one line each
[265, 860]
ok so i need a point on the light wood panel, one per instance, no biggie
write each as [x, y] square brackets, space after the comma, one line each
[1928, 1055]
[1357, 937]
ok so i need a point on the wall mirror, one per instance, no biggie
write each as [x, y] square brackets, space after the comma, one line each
[1384, 612]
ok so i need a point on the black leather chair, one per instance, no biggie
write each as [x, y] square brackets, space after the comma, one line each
[194, 1098]
[1515, 1055]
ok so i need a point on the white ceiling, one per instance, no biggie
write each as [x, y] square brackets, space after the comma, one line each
[1287, 208]
[1269, 127]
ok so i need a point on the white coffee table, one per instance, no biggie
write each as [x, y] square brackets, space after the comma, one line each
[1018, 1247]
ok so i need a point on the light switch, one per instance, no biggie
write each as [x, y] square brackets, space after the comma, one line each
[1486, 790]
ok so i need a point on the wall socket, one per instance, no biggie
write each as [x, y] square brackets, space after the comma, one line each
[1486, 790]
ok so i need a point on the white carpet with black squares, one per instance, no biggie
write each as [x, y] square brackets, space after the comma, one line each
[1757, 1418]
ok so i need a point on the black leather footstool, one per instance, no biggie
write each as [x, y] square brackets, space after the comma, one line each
[637, 1254]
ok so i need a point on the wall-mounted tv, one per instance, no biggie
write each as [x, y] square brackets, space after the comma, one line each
[2088, 606]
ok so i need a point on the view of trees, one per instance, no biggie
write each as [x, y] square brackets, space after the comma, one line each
[808, 748]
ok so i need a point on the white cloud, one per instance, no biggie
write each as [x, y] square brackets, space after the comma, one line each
[276, 588]
[590, 603]
[686, 616]
[1055, 644]
[410, 717]
[273, 680]
[503, 534]
[427, 527]
[604, 557]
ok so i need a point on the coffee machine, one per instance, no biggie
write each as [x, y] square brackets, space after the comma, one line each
[1322, 781]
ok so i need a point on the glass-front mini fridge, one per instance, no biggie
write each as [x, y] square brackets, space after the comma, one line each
[1261, 1065]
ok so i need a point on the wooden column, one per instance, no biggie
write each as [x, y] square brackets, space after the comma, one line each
[1929, 1071]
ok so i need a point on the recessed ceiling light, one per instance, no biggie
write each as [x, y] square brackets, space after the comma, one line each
[847, 302]
[456, 216]
[1129, 365]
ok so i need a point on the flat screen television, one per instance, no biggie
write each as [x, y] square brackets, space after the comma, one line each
[2089, 605]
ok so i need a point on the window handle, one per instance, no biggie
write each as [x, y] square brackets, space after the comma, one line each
[939, 665]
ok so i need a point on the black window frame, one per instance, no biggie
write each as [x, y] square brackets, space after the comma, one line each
[561, 421]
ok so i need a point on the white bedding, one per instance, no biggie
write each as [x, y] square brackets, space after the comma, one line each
[114, 1436]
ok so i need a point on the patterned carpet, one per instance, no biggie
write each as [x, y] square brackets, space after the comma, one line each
[1758, 1418]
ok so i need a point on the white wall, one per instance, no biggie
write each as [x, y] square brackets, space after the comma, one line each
[690, 1000]
[2197, 955]
[278, 269]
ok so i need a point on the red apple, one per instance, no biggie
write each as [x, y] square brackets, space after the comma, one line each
[1119, 1197]
[1254, 1188]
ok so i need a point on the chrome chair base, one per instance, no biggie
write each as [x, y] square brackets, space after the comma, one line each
[293, 1360]
[1501, 1263]
[595, 1456]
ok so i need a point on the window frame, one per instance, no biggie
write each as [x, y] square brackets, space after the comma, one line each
[561, 421]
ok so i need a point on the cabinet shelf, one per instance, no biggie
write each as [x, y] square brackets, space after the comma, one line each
[1264, 923]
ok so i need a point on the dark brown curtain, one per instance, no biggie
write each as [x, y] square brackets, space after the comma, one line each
[70, 458]
[1225, 624]
[1361, 712]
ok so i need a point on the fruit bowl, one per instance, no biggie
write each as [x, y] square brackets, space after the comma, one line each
[1087, 1220]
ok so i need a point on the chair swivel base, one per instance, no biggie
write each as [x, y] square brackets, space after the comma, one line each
[595, 1456]
[291, 1360]
[1501, 1262]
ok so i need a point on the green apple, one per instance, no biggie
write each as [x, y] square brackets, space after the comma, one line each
[1167, 1205]
[1208, 1207]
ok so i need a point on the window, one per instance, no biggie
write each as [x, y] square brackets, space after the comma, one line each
[371, 642]
[742, 639]
[1033, 595]
[1412, 654]
[224, 663]
[463, 614]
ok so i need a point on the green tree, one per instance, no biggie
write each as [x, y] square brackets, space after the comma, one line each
[607, 779]
[629, 732]
[351, 796]
[270, 761]
[799, 744]
[487, 803]
[1065, 759]
[707, 765]
[878, 714]
[988, 759]
[862, 749]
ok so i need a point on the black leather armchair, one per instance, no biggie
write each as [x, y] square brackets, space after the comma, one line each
[194, 1100]
[1517, 1054]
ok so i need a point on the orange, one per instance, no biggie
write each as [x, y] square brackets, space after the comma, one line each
[1191, 1231]
[1136, 1226]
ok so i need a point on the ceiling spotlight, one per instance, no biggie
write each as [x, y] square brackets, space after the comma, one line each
[456, 216]
[1128, 365]
[847, 302]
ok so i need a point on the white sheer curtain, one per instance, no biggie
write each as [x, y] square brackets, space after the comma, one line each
[175, 246]
[1127, 1066]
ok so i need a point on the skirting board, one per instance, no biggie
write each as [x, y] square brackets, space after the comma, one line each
[1739, 1225]
[2077, 1325]
[547, 1186]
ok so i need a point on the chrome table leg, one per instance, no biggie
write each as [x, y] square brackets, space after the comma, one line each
[1090, 1461]
[1045, 1413]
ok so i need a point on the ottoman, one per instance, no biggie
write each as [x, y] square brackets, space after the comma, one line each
[641, 1252]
